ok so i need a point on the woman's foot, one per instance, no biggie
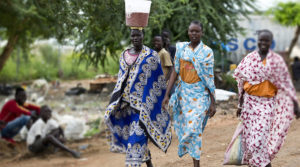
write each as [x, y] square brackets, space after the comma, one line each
[149, 163]
[269, 165]
[196, 163]
[75, 154]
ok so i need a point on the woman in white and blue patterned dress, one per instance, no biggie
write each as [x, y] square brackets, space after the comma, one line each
[193, 101]
[134, 113]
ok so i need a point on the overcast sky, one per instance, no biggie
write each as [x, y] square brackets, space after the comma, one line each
[266, 4]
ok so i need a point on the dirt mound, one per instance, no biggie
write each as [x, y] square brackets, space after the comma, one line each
[9, 150]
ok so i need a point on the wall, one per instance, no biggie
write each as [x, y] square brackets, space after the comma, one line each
[243, 44]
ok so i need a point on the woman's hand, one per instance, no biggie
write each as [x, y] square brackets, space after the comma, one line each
[238, 112]
[241, 102]
[165, 102]
[212, 106]
[212, 110]
[296, 109]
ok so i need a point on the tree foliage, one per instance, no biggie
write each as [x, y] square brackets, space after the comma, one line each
[24, 21]
[105, 23]
[32, 19]
[288, 14]
[98, 26]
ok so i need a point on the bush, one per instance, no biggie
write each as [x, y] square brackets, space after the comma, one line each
[229, 83]
[47, 63]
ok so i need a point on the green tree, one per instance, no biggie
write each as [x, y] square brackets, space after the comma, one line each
[288, 14]
[24, 21]
[98, 26]
[50, 55]
[105, 29]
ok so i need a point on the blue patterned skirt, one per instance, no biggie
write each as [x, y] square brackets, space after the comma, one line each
[130, 136]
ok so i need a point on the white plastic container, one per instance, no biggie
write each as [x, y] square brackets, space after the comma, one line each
[137, 12]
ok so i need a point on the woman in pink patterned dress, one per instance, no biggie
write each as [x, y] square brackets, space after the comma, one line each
[267, 102]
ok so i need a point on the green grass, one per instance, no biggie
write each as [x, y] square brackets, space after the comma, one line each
[94, 128]
[46, 63]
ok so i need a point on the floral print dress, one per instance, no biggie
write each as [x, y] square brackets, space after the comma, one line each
[266, 120]
[191, 100]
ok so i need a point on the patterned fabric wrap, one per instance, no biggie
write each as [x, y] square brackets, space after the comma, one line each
[265, 120]
[190, 102]
[234, 153]
[145, 84]
[130, 136]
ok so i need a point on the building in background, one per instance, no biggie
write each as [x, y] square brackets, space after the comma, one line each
[243, 44]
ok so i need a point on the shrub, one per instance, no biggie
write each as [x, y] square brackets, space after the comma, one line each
[229, 83]
[45, 62]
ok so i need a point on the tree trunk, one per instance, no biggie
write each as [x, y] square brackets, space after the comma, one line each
[7, 50]
[294, 41]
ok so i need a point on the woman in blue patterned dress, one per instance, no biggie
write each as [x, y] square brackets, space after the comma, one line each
[193, 101]
[134, 112]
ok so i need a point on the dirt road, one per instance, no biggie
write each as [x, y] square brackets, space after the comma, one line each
[216, 137]
[215, 140]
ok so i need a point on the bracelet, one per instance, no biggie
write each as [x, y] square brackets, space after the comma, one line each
[239, 107]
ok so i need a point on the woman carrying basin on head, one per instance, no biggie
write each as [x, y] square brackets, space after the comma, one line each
[134, 112]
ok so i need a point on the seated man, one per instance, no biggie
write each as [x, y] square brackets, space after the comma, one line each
[15, 114]
[46, 131]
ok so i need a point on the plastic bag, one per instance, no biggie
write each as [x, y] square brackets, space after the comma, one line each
[74, 128]
[234, 153]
